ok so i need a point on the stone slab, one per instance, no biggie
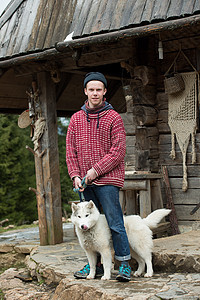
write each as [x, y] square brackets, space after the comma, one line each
[56, 264]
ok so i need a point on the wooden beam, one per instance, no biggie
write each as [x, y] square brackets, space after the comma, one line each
[50, 161]
[108, 55]
[129, 33]
[13, 103]
[61, 86]
[99, 39]
[135, 185]
[83, 71]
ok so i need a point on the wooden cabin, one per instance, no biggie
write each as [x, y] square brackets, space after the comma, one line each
[46, 48]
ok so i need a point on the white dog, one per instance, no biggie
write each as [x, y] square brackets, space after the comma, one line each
[94, 236]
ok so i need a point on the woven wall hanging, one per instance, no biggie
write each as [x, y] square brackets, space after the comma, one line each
[182, 119]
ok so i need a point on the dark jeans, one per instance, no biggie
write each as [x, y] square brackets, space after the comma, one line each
[107, 196]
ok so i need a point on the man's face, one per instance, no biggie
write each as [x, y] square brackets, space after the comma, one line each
[95, 91]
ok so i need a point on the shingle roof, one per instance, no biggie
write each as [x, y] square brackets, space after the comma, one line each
[108, 15]
[36, 25]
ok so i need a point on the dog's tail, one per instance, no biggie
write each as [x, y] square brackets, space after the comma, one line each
[155, 217]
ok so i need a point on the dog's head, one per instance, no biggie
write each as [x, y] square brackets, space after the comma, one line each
[84, 215]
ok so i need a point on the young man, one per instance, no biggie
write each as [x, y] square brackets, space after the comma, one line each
[95, 148]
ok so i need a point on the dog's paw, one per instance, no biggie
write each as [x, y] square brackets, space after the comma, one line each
[148, 275]
[137, 274]
[90, 276]
[105, 277]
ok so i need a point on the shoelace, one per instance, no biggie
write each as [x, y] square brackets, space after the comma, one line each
[85, 269]
[125, 269]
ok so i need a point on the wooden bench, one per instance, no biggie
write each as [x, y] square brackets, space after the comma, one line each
[141, 194]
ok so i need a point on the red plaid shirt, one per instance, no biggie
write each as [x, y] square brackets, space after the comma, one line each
[98, 142]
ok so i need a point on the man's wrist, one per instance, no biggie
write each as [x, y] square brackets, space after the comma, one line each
[76, 177]
[95, 171]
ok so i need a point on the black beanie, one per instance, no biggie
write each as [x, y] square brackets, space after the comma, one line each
[95, 76]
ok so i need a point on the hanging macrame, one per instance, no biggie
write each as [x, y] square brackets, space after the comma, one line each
[182, 119]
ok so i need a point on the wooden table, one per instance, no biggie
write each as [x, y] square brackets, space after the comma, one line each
[141, 193]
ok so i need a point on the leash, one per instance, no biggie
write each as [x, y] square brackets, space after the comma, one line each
[84, 185]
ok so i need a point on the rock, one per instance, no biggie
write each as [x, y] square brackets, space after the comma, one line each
[36, 222]
[31, 265]
[9, 227]
[15, 289]
[26, 249]
[171, 293]
[177, 253]
[10, 259]
[8, 280]
[68, 290]
[5, 248]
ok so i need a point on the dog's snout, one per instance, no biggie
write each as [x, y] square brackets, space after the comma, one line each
[84, 227]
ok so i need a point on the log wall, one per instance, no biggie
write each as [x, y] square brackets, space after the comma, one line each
[184, 201]
[137, 141]
[130, 160]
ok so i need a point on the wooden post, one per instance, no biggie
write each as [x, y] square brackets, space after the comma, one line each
[43, 232]
[131, 202]
[170, 203]
[147, 148]
[50, 161]
[145, 118]
[145, 201]
[40, 195]
[144, 115]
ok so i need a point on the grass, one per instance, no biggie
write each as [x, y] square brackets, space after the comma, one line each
[2, 229]
[1, 295]
[17, 265]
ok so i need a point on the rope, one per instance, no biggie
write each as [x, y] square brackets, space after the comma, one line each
[175, 59]
[84, 185]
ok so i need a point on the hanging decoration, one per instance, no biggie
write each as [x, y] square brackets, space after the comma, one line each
[173, 81]
[34, 102]
[24, 119]
[182, 115]
[33, 115]
[39, 127]
[182, 119]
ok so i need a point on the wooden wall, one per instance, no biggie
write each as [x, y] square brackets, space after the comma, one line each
[184, 201]
[130, 160]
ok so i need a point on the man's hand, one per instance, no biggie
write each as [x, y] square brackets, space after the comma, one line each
[90, 176]
[77, 184]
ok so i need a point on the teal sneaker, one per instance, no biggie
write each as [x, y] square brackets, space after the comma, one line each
[124, 273]
[83, 273]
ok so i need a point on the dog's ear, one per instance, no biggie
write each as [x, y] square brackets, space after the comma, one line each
[74, 207]
[90, 204]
